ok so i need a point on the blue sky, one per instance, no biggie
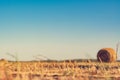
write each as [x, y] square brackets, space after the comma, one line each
[58, 29]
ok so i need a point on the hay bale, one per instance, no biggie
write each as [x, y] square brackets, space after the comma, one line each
[106, 55]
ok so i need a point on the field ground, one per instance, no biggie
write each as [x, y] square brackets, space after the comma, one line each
[59, 70]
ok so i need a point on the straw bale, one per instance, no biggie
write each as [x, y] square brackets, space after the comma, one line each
[106, 55]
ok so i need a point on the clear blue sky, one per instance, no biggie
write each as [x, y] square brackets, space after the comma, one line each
[58, 29]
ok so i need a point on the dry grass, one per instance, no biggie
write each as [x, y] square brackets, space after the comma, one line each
[70, 70]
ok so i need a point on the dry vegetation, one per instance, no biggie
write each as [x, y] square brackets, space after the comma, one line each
[59, 70]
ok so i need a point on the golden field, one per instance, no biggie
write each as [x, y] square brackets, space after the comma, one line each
[59, 70]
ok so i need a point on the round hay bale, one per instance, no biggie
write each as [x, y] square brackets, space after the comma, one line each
[107, 55]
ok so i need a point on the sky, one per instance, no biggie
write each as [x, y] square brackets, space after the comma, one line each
[58, 29]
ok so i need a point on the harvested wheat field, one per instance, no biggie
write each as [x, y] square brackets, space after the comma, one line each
[59, 70]
[59, 39]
